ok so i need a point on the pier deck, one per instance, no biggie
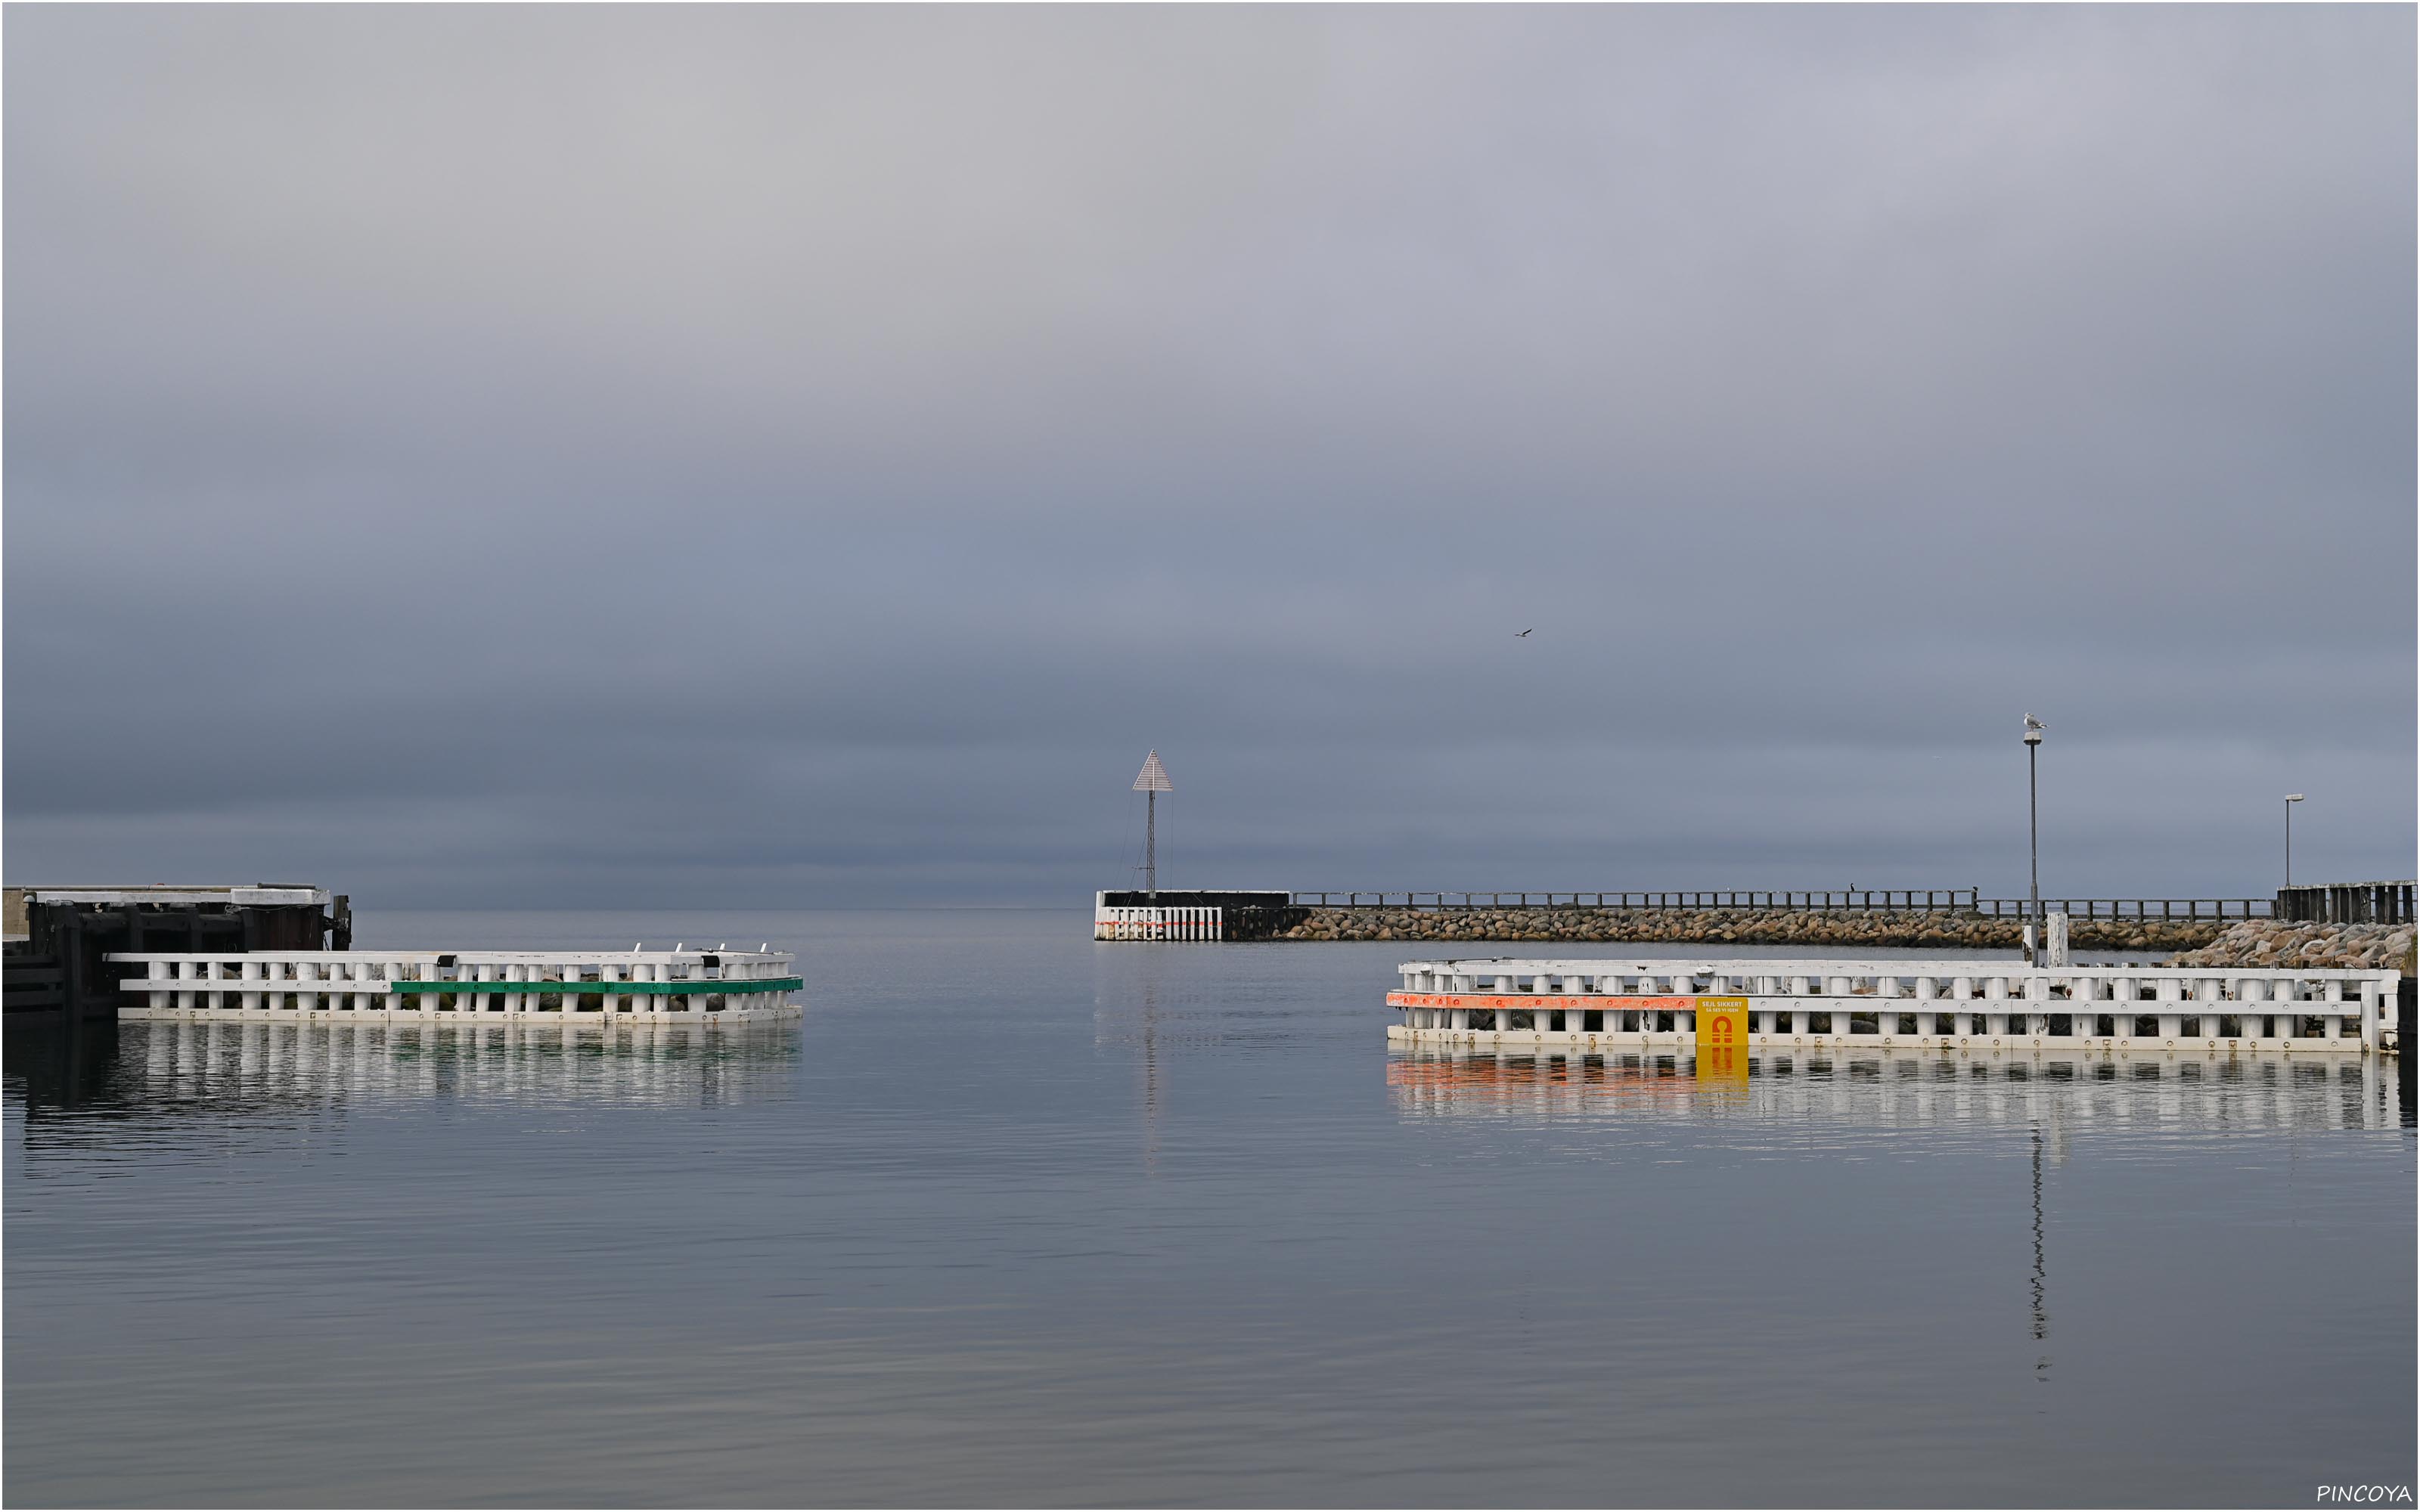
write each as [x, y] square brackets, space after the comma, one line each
[419, 986]
[1919, 1004]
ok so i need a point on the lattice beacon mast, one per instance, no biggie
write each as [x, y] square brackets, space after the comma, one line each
[1152, 782]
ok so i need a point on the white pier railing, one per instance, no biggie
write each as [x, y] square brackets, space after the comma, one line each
[1933, 1005]
[1157, 923]
[410, 986]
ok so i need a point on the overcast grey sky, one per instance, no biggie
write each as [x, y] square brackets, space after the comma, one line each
[633, 457]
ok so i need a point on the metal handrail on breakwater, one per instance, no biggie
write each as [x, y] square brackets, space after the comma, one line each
[1936, 900]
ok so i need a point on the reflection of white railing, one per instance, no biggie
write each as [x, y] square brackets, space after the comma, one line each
[1865, 1088]
[524, 1057]
[1913, 1003]
[1157, 923]
[408, 986]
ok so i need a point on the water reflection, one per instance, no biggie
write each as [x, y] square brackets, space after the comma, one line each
[165, 1069]
[2055, 1101]
[2041, 1268]
[2053, 1095]
[1016, 1218]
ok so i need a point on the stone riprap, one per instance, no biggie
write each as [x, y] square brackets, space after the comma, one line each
[1848, 930]
[2267, 942]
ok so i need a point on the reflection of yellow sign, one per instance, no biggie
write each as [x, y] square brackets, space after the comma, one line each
[1725, 1065]
[1722, 1024]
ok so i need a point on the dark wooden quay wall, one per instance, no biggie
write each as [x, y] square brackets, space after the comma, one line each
[2348, 902]
[57, 957]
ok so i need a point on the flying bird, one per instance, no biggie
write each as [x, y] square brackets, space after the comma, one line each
[1524, 635]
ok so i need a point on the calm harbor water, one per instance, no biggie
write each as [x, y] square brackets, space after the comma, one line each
[1012, 1218]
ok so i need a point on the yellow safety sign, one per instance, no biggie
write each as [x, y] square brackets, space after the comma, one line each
[1722, 1024]
[1722, 1041]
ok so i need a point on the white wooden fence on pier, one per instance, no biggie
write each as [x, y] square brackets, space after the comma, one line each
[1919, 1004]
[622, 987]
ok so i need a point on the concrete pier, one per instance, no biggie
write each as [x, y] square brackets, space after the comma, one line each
[1192, 914]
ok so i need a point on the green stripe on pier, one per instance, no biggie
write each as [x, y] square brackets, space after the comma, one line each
[733, 987]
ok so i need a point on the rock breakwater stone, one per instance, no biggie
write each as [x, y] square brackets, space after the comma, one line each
[1734, 926]
[2269, 942]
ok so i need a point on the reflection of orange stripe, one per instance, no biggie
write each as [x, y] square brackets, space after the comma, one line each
[1532, 1001]
[1484, 1071]
[1483, 1078]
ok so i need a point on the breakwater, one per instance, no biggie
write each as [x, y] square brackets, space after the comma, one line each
[2268, 942]
[1910, 929]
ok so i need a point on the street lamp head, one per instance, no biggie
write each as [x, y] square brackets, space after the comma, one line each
[2293, 797]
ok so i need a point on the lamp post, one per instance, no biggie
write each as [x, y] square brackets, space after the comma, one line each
[2034, 729]
[2291, 799]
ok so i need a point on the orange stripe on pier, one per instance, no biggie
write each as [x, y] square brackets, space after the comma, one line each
[1495, 1000]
